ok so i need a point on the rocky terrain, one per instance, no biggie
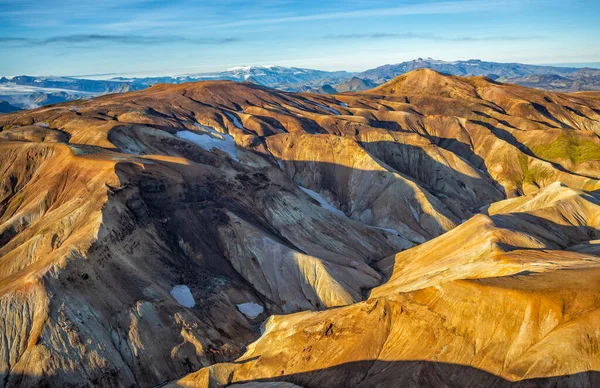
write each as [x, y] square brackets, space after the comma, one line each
[554, 78]
[434, 231]
[31, 92]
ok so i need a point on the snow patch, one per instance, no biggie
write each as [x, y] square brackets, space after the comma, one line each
[12, 88]
[235, 120]
[324, 204]
[183, 296]
[238, 68]
[393, 231]
[335, 112]
[343, 104]
[213, 139]
[250, 310]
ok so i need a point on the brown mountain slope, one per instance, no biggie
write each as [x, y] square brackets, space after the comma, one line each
[262, 202]
[512, 303]
[354, 84]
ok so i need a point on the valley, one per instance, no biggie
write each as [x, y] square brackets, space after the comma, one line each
[436, 230]
[27, 92]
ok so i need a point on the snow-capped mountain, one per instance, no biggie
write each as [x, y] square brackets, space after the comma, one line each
[30, 92]
[471, 67]
[286, 78]
[273, 76]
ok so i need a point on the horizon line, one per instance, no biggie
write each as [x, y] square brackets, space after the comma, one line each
[166, 73]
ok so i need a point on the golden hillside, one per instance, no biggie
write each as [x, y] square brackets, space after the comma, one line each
[434, 231]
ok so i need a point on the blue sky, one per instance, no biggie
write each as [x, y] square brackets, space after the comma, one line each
[150, 37]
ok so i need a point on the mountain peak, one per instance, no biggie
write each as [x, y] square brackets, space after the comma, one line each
[212, 205]
[253, 67]
[426, 81]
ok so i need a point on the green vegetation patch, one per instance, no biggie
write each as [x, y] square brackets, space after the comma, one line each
[538, 175]
[569, 146]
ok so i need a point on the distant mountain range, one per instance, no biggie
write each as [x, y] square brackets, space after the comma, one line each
[5, 107]
[29, 92]
[439, 231]
[472, 67]
[559, 79]
[285, 78]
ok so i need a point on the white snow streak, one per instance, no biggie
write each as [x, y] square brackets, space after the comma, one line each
[324, 204]
[235, 120]
[335, 112]
[393, 231]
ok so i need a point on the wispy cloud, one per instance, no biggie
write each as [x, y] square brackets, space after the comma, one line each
[90, 39]
[410, 35]
[495, 38]
[446, 7]
[11, 40]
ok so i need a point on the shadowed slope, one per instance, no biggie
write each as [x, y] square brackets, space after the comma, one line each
[510, 303]
[109, 204]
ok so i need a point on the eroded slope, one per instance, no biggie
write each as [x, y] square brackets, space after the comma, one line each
[513, 305]
[238, 194]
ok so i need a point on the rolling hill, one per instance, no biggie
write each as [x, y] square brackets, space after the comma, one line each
[436, 230]
[560, 79]
[30, 92]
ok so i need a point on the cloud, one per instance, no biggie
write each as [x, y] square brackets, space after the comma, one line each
[87, 39]
[13, 41]
[123, 39]
[377, 35]
[444, 7]
[410, 35]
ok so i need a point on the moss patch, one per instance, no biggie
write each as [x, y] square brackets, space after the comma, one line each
[569, 146]
[538, 175]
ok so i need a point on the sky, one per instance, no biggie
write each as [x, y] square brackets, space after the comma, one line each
[158, 37]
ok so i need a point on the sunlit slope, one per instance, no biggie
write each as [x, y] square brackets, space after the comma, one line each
[497, 300]
[243, 194]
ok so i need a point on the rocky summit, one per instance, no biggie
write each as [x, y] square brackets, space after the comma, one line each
[435, 231]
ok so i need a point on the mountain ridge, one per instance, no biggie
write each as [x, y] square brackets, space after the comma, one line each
[343, 217]
[562, 79]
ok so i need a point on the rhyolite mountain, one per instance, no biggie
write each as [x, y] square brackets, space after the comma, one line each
[559, 79]
[355, 84]
[30, 92]
[27, 91]
[435, 231]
